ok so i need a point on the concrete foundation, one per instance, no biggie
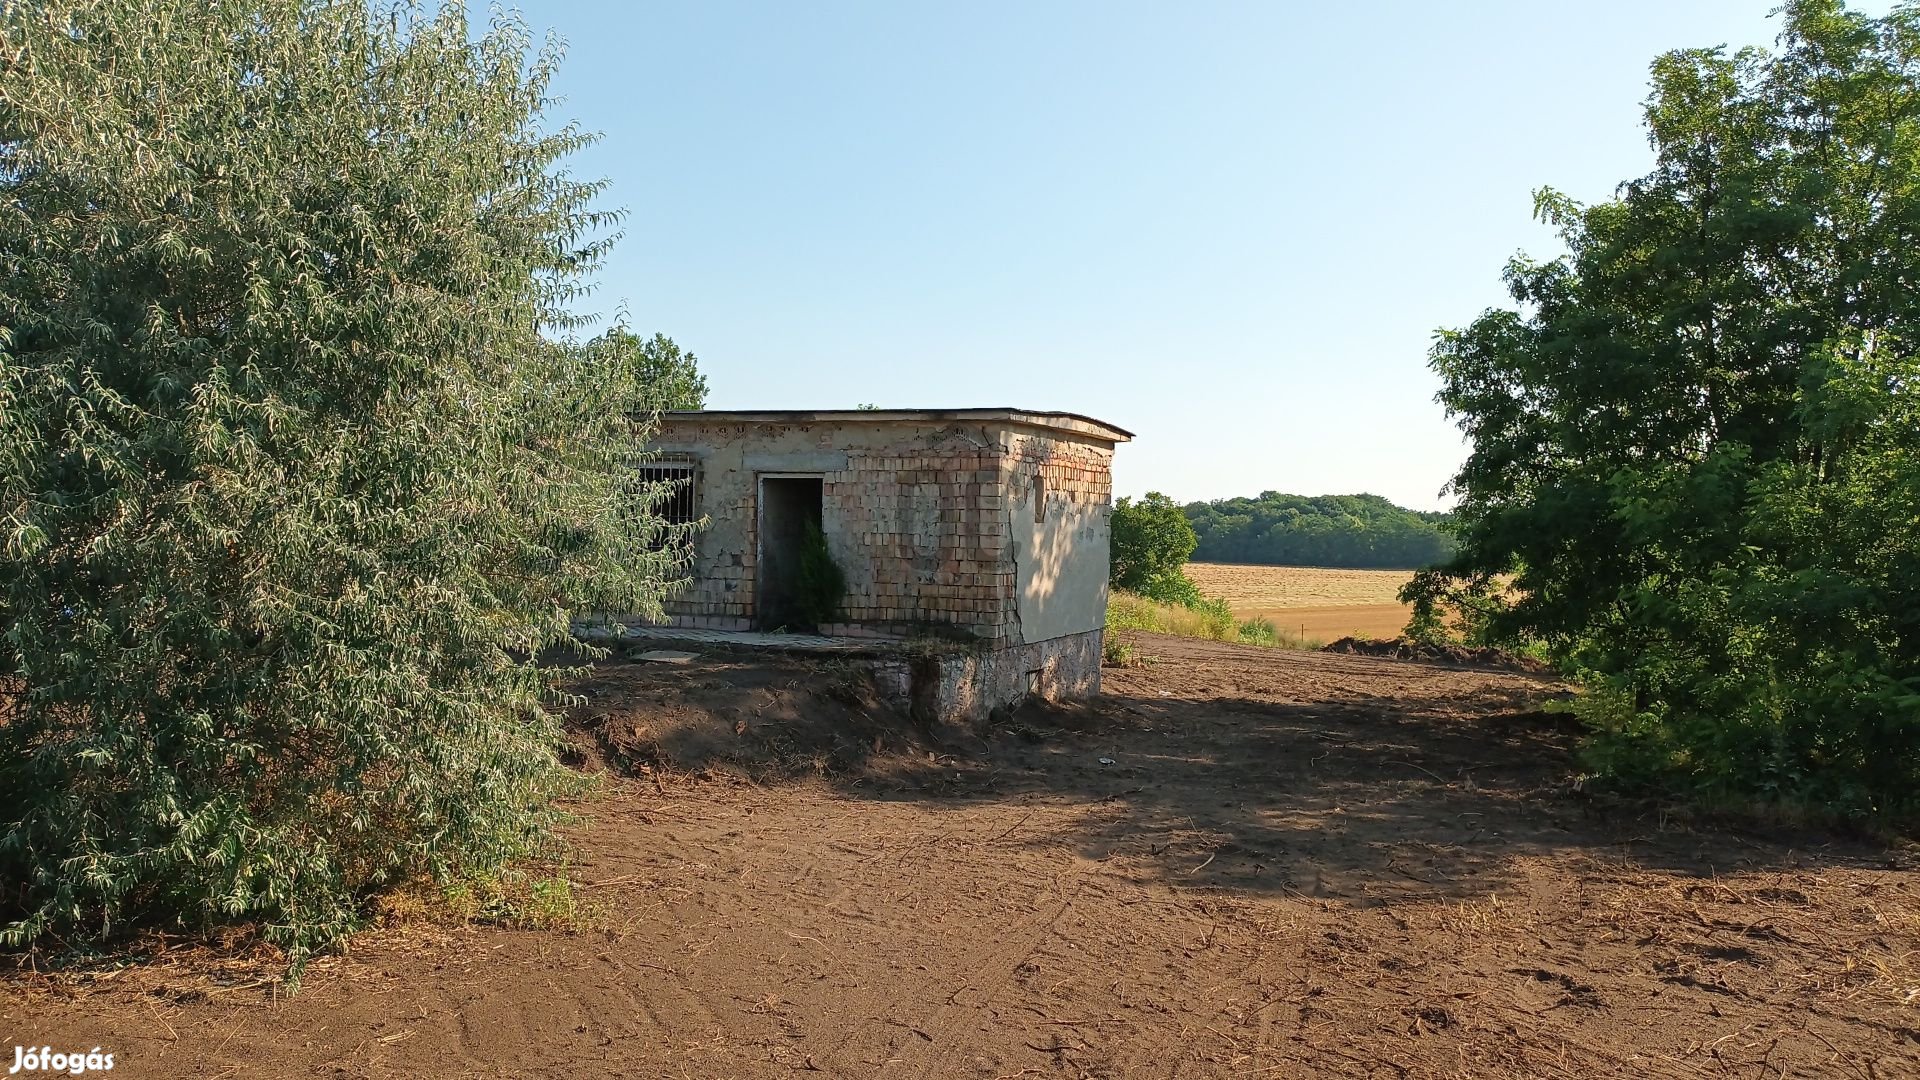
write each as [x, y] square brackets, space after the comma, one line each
[965, 688]
[934, 682]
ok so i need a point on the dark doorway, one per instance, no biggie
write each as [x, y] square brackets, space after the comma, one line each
[789, 522]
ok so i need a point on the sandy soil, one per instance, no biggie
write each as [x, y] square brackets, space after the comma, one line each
[1287, 865]
[1312, 602]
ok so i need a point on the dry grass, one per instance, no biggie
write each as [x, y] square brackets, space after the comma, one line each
[543, 900]
[1282, 587]
[1310, 602]
[1128, 611]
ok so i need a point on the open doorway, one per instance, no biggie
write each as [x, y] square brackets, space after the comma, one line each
[785, 597]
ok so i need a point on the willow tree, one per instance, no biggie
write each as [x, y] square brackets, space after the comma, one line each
[1696, 437]
[297, 471]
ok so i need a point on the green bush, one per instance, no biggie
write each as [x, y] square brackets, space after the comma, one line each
[1151, 540]
[1696, 436]
[819, 585]
[294, 479]
[1259, 632]
[1217, 618]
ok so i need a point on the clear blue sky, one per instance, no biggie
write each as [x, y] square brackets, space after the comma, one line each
[1229, 228]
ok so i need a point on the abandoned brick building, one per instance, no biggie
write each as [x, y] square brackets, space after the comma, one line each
[988, 525]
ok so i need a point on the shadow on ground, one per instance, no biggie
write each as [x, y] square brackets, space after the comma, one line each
[1238, 863]
[1331, 777]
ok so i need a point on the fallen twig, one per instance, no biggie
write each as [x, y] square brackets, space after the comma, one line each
[1010, 831]
[1429, 772]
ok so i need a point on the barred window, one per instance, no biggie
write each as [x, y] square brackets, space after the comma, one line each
[679, 506]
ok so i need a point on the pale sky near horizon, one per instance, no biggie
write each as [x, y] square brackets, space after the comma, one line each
[1229, 228]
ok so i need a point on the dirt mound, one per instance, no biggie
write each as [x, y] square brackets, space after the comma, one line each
[770, 717]
[1401, 648]
[764, 717]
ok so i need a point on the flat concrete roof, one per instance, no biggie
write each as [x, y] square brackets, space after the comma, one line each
[1052, 421]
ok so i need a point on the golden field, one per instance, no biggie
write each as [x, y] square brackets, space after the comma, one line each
[1310, 601]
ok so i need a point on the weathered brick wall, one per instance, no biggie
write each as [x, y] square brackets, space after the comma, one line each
[920, 516]
[924, 535]
[1077, 475]
[719, 594]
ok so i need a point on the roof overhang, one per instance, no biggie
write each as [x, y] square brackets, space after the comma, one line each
[1050, 421]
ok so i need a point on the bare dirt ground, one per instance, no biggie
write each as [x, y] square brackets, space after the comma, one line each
[1313, 602]
[1242, 863]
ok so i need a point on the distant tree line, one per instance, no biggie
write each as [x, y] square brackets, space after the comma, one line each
[1362, 531]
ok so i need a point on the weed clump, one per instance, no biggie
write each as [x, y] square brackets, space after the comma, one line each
[1209, 618]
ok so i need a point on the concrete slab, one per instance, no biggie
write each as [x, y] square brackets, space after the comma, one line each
[750, 639]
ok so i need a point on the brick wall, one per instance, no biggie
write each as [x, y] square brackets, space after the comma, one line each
[922, 537]
[920, 517]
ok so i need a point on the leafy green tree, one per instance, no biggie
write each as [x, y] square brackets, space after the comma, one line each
[294, 477]
[1696, 443]
[669, 378]
[1151, 541]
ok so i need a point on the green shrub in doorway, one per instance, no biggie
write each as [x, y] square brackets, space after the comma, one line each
[819, 585]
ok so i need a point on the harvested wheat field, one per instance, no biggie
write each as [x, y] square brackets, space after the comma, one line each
[1240, 863]
[1313, 602]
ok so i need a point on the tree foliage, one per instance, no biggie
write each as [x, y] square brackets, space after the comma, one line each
[1363, 531]
[294, 479]
[1696, 441]
[1151, 541]
[668, 377]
